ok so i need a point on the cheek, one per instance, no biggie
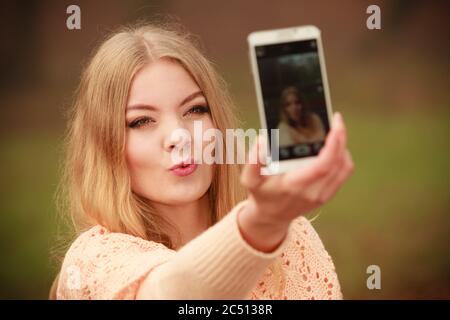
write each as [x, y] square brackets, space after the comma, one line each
[140, 153]
[201, 139]
[144, 165]
[207, 176]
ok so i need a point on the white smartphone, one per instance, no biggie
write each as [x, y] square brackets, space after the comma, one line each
[292, 92]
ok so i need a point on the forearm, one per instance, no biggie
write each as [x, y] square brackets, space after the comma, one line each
[218, 264]
[262, 235]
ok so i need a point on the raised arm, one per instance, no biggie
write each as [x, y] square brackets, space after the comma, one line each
[218, 264]
[226, 261]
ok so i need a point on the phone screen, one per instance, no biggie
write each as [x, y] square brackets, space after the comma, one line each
[293, 97]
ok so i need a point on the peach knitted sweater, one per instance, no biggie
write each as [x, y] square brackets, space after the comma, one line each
[218, 264]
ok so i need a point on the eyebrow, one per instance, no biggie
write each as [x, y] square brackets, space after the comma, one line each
[143, 106]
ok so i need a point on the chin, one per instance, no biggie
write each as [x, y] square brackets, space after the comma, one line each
[183, 193]
[180, 199]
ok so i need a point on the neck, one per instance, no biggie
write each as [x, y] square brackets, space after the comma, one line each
[190, 219]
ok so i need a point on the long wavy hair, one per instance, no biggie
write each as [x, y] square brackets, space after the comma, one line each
[95, 183]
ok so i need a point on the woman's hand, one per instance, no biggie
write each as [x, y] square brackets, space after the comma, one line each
[274, 201]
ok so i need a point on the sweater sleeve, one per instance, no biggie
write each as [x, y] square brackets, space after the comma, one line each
[218, 264]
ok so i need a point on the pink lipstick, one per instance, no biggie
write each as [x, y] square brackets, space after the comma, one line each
[184, 169]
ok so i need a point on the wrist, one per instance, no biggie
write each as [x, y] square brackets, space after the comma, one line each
[259, 216]
[260, 232]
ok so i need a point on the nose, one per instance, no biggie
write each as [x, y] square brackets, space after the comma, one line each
[176, 136]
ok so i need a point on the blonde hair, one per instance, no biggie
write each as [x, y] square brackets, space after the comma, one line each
[95, 186]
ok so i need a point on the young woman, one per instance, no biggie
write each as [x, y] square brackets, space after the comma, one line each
[149, 229]
[298, 124]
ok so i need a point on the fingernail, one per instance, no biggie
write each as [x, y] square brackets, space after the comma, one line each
[339, 117]
[336, 117]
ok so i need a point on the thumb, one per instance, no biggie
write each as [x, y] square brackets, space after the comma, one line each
[251, 177]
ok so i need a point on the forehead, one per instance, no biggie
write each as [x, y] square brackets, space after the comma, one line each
[162, 82]
[291, 96]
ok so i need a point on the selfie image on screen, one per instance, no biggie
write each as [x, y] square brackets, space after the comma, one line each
[294, 98]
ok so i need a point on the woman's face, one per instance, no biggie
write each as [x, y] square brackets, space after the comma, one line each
[293, 107]
[163, 97]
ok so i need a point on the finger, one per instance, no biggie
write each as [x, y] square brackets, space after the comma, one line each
[340, 152]
[323, 163]
[329, 156]
[337, 142]
[251, 176]
[342, 175]
[324, 182]
[343, 133]
[339, 158]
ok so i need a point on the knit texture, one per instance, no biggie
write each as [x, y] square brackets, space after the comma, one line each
[218, 264]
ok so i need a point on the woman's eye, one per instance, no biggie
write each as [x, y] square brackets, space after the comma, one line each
[139, 122]
[198, 110]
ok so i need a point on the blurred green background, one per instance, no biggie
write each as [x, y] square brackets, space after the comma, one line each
[392, 86]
